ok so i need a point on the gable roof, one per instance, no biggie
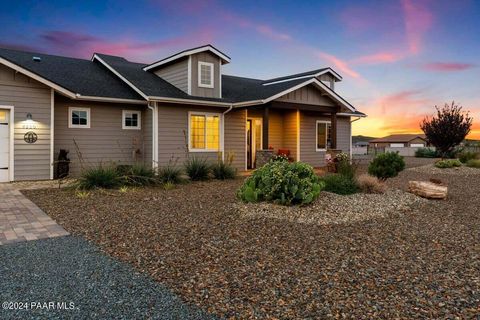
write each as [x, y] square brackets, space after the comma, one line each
[399, 138]
[77, 77]
[115, 78]
[307, 74]
[188, 52]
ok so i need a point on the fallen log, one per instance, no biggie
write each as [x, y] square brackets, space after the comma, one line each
[427, 190]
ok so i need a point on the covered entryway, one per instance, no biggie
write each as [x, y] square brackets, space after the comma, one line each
[5, 145]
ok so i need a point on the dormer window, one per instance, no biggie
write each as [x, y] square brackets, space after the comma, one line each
[205, 74]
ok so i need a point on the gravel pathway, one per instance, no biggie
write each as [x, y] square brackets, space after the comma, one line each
[92, 285]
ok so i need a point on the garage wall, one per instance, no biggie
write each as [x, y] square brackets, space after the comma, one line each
[32, 161]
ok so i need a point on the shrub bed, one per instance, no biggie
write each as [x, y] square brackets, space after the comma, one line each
[197, 169]
[426, 153]
[370, 184]
[473, 163]
[340, 184]
[283, 183]
[386, 165]
[466, 156]
[448, 163]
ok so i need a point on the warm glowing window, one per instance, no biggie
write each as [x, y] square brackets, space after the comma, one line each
[205, 74]
[324, 133]
[79, 118]
[204, 131]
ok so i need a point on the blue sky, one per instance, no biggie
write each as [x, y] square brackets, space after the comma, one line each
[399, 58]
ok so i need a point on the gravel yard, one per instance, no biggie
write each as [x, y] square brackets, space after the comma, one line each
[420, 259]
[91, 285]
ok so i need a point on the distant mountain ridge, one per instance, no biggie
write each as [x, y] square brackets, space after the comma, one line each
[359, 138]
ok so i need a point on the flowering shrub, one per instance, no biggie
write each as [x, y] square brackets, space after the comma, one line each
[279, 157]
[282, 182]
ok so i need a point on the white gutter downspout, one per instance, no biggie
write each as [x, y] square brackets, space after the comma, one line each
[222, 136]
[154, 134]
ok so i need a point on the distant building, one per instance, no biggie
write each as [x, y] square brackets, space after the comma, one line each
[360, 144]
[400, 141]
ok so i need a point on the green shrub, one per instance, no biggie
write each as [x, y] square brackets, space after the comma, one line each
[386, 165]
[466, 156]
[223, 170]
[197, 169]
[282, 182]
[340, 184]
[139, 175]
[448, 163]
[170, 174]
[279, 157]
[99, 177]
[473, 163]
[426, 153]
[346, 168]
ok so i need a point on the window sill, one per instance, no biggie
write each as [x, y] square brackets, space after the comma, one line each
[131, 128]
[203, 150]
[205, 86]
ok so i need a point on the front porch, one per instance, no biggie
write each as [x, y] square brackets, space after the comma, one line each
[301, 132]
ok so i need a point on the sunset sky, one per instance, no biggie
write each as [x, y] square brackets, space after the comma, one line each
[398, 58]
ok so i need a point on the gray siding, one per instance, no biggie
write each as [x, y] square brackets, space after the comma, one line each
[308, 138]
[176, 74]
[32, 161]
[307, 95]
[147, 125]
[290, 132]
[105, 141]
[328, 79]
[173, 135]
[205, 92]
[235, 137]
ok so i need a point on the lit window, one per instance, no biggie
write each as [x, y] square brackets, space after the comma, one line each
[324, 133]
[205, 74]
[131, 119]
[204, 132]
[79, 117]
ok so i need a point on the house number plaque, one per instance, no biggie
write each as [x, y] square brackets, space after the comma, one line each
[30, 137]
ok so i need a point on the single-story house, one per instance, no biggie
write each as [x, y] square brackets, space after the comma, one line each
[400, 141]
[110, 109]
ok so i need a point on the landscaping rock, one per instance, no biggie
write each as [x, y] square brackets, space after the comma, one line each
[428, 190]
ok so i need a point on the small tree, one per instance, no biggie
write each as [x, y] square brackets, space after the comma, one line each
[447, 129]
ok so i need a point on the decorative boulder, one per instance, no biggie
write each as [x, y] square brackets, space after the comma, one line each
[428, 190]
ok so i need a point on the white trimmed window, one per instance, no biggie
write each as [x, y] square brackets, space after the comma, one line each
[324, 134]
[205, 74]
[204, 131]
[131, 119]
[78, 117]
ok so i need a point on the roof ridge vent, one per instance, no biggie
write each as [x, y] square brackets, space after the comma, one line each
[36, 59]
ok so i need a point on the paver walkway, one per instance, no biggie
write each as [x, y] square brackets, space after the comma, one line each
[21, 219]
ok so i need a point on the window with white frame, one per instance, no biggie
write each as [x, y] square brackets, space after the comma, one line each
[205, 74]
[204, 131]
[324, 134]
[131, 119]
[78, 117]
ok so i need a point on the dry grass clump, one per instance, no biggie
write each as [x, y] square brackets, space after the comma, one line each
[370, 184]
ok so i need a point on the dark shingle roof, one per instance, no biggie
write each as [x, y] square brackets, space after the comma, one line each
[76, 75]
[91, 78]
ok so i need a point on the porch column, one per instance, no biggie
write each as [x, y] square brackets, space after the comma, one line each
[265, 121]
[334, 130]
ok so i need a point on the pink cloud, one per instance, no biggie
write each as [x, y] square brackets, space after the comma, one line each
[84, 45]
[262, 29]
[402, 102]
[418, 20]
[377, 58]
[447, 66]
[339, 64]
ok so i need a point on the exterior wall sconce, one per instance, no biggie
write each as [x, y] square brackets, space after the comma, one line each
[29, 117]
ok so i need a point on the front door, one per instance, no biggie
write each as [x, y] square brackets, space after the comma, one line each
[4, 146]
[254, 140]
